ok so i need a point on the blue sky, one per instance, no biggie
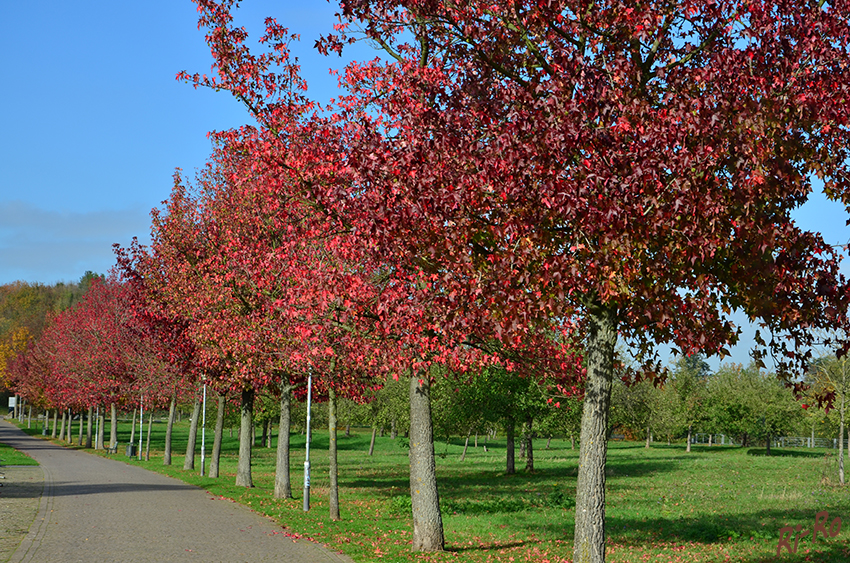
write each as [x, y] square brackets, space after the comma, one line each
[94, 123]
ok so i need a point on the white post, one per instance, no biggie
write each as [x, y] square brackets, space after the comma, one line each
[141, 423]
[204, 429]
[307, 459]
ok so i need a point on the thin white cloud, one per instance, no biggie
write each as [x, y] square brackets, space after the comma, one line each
[38, 245]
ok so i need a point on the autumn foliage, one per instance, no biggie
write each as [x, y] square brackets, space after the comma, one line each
[525, 183]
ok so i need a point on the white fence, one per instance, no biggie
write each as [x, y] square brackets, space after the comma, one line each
[779, 442]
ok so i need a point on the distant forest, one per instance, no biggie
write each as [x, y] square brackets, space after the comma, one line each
[25, 309]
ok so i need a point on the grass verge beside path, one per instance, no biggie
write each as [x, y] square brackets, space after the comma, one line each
[714, 504]
[11, 456]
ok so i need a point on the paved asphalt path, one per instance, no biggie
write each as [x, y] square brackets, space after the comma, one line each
[97, 509]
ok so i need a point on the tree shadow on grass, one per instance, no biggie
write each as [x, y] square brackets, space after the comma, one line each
[708, 528]
[776, 452]
[491, 547]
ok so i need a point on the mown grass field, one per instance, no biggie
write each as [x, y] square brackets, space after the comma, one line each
[663, 504]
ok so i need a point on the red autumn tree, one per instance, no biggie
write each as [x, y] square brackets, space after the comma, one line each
[633, 167]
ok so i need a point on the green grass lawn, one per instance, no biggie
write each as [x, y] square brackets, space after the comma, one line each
[10, 456]
[663, 504]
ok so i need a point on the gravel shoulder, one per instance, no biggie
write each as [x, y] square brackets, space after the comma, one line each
[19, 500]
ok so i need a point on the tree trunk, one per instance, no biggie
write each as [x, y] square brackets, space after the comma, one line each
[549, 442]
[148, 441]
[189, 460]
[465, 447]
[425, 499]
[55, 418]
[372, 441]
[510, 464]
[101, 428]
[133, 429]
[332, 458]
[648, 437]
[589, 546]
[282, 481]
[219, 431]
[29, 416]
[264, 440]
[62, 427]
[113, 430]
[88, 427]
[710, 436]
[46, 424]
[768, 445]
[529, 448]
[246, 423]
[572, 441]
[393, 431]
[522, 445]
[688, 447]
[172, 411]
[841, 443]
[80, 437]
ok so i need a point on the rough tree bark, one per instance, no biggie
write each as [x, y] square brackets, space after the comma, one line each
[55, 417]
[465, 447]
[425, 499]
[219, 430]
[282, 482]
[265, 438]
[372, 441]
[88, 427]
[148, 440]
[690, 428]
[133, 428]
[529, 447]
[113, 426]
[189, 460]
[246, 423]
[101, 423]
[172, 410]
[510, 447]
[62, 426]
[589, 544]
[841, 443]
[332, 457]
